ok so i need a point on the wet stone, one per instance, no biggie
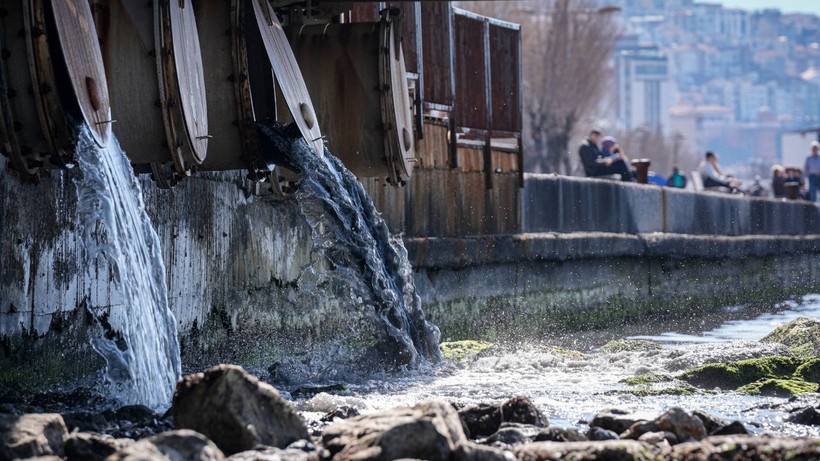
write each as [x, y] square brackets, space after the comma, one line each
[558, 434]
[484, 420]
[342, 412]
[84, 446]
[599, 433]
[615, 420]
[174, 445]
[30, 435]
[610, 450]
[808, 416]
[733, 428]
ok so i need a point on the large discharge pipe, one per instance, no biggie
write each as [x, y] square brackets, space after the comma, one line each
[182, 84]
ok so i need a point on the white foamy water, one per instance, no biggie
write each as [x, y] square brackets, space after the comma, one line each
[115, 226]
[570, 387]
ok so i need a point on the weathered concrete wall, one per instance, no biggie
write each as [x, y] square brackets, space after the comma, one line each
[567, 204]
[244, 283]
[534, 284]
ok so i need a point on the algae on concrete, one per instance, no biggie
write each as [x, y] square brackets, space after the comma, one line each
[460, 350]
[631, 345]
[771, 376]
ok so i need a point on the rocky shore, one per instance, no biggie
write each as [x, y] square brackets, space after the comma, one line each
[227, 414]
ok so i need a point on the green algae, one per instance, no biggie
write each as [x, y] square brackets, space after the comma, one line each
[631, 345]
[769, 376]
[809, 370]
[774, 387]
[742, 372]
[801, 336]
[646, 379]
[460, 350]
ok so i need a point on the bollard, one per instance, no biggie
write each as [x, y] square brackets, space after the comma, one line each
[792, 190]
[641, 170]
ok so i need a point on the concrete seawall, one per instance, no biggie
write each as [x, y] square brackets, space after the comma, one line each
[247, 287]
[596, 252]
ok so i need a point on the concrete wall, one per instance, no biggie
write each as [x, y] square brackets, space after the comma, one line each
[244, 283]
[567, 204]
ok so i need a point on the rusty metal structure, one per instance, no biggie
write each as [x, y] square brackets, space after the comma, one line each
[396, 87]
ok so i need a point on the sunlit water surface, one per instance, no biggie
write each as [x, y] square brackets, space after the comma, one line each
[571, 387]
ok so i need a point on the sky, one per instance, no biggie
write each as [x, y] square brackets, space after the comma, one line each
[803, 6]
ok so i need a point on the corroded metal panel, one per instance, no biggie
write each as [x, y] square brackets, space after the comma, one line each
[437, 28]
[471, 108]
[410, 33]
[505, 78]
[365, 12]
[364, 104]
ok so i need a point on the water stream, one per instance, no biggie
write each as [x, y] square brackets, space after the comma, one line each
[571, 386]
[138, 338]
[351, 234]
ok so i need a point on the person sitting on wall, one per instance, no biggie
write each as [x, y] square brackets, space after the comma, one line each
[676, 179]
[597, 164]
[712, 175]
[778, 181]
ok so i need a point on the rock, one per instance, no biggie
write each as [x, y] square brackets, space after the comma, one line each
[460, 350]
[735, 374]
[557, 434]
[774, 387]
[659, 438]
[171, 446]
[470, 451]
[685, 426]
[430, 430]
[599, 433]
[342, 412]
[745, 447]
[710, 422]
[809, 416]
[615, 420]
[733, 428]
[801, 335]
[86, 421]
[277, 454]
[31, 435]
[235, 410]
[509, 436]
[84, 446]
[610, 450]
[484, 420]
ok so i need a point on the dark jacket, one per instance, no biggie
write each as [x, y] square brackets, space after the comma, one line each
[589, 154]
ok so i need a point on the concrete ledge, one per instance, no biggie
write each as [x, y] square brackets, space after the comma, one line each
[501, 249]
[552, 203]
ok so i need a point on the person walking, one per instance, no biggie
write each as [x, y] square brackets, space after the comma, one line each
[812, 170]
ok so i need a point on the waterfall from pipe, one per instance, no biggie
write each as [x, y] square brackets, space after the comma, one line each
[351, 234]
[139, 340]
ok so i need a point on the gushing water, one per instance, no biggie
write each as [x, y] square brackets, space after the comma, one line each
[349, 231]
[115, 225]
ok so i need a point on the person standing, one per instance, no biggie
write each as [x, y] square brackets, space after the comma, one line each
[812, 170]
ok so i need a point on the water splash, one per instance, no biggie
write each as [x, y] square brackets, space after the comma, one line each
[351, 234]
[115, 226]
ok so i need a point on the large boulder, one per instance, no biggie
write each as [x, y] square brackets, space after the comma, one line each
[801, 336]
[171, 446]
[609, 450]
[429, 430]
[733, 375]
[485, 419]
[235, 410]
[30, 435]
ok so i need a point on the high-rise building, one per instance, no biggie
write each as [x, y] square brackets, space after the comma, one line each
[645, 89]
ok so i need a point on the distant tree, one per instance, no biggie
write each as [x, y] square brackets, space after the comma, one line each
[566, 48]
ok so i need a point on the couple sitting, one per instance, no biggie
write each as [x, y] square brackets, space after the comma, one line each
[606, 160]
